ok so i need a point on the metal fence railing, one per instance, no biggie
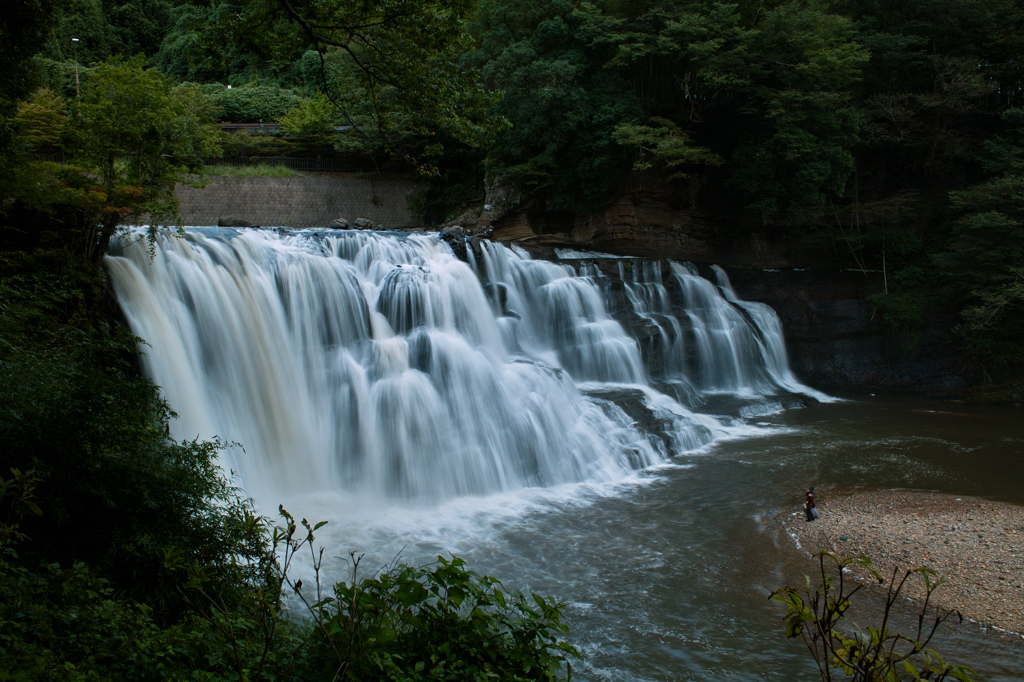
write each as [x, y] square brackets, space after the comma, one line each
[251, 127]
[296, 163]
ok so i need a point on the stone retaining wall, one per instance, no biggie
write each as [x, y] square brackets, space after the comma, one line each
[300, 202]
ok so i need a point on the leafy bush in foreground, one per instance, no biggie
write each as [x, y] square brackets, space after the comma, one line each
[435, 622]
[872, 654]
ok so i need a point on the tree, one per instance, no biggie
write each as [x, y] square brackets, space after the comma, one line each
[312, 118]
[24, 27]
[766, 87]
[390, 68]
[985, 254]
[872, 654]
[799, 122]
[203, 46]
[563, 105]
[135, 136]
[41, 119]
[665, 142]
[939, 74]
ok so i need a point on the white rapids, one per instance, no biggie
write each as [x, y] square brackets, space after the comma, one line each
[382, 365]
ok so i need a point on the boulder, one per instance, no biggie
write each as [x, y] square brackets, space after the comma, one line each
[455, 236]
[339, 224]
[232, 221]
[454, 232]
[363, 224]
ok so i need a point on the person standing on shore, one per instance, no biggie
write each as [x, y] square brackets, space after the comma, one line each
[809, 507]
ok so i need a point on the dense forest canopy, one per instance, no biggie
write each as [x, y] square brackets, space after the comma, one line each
[872, 134]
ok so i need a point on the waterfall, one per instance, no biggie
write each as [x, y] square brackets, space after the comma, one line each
[383, 365]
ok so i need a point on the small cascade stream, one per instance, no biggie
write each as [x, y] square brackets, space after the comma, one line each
[382, 364]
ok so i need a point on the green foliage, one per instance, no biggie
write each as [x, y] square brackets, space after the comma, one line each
[130, 138]
[798, 149]
[65, 624]
[108, 29]
[263, 170]
[455, 187]
[563, 105]
[41, 119]
[24, 27]
[444, 622]
[816, 615]
[985, 253]
[17, 498]
[992, 325]
[114, 490]
[690, 83]
[85, 20]
[315, 117]
[664, 142]
[231, 42]
[904, 308]
[136, 129]
[436, 622]
[252, 103]
[938, 76]
[775, 90]
[134, 137]
[255, 143]
[391, 70]
[58, 76]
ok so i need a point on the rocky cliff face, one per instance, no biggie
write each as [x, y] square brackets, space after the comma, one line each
[836, 340]
[651, 219]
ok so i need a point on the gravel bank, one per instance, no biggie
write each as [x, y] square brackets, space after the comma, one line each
[976, 544]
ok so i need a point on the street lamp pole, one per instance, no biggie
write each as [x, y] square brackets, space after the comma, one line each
[74, 43]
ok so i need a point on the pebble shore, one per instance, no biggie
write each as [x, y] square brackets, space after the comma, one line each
[976, 544]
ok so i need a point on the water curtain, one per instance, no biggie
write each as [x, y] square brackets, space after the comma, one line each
[384, 365]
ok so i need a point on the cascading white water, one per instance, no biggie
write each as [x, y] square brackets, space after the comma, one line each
[355, 361]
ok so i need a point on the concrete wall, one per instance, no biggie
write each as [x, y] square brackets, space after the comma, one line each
[300, 202]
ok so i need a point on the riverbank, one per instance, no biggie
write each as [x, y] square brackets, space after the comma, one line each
[976, 544]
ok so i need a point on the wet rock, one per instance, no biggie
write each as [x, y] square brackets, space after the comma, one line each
[498, 293]
[232, 221]
[339, 224]
[363, 224]
[455, 236]
[631, 401]
[454, 232]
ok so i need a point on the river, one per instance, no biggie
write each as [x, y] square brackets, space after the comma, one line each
[666, 575]
[507, 410]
